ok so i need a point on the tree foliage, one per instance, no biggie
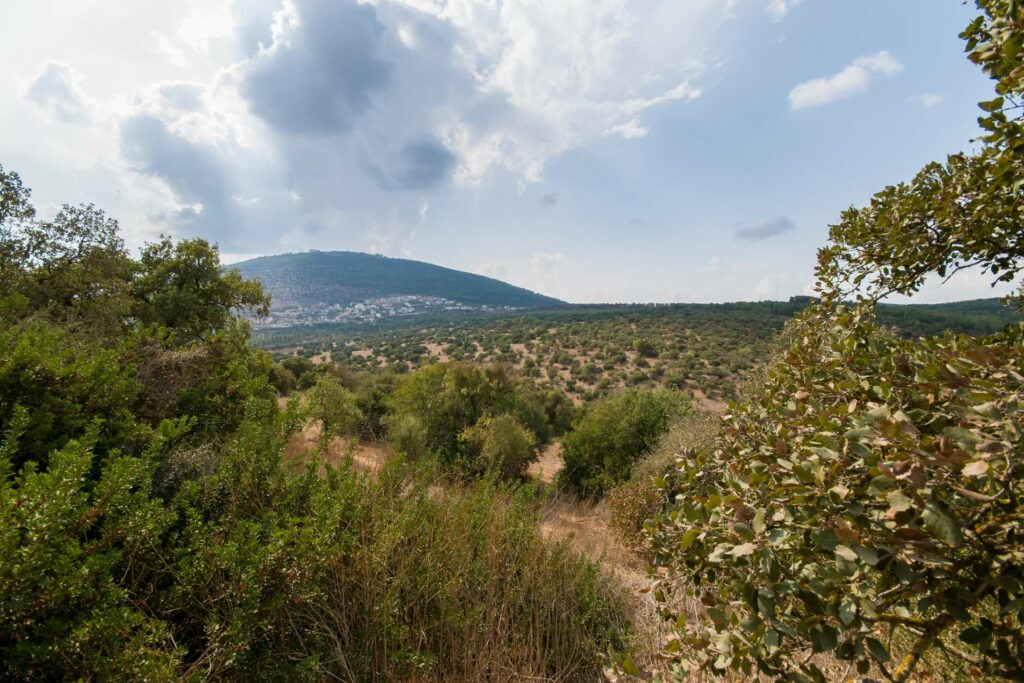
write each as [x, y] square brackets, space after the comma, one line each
[610, 435]
[867, 500]
[457, 406]
[183, 287]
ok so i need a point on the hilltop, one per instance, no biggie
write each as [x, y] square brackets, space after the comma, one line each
[314, 281]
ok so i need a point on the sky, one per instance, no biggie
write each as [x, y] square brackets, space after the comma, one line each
[593, 150]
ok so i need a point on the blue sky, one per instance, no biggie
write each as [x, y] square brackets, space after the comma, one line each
[595, 150]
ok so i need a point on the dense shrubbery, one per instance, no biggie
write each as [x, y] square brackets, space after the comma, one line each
[473, 418]
[867, 501]
[253, 572]
[610, 435]
[150, 528]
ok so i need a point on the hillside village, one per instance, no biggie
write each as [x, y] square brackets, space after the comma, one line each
[366, 311]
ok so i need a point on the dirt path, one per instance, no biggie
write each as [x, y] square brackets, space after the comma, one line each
[586, 527]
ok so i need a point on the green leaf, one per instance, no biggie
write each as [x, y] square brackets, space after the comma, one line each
[941, 523]
[899, 501]
[847, 610]
[846, 553]
[877, 650]
[824, 638]
[867, 555]
[759, 525]
[992, 105]
[629, 666]
[688, 538]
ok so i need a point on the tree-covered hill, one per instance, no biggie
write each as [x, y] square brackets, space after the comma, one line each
[345, 277]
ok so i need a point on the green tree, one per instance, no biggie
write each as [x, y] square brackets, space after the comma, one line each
[181, 286]
[449, 398]
[610, 435]
[644, 348]
[334, 407]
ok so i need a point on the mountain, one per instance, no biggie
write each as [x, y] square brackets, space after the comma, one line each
[343, 278]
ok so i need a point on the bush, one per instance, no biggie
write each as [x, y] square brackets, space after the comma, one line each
[644, 348]
[334, 407]
[408, 436]
[450, 398]
[610, 435]
[630, 505]
[504, 447]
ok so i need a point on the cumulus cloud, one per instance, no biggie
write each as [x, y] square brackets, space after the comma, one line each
[192, 171]
[766, 229]
[854, 79]
[334, 118]
[321, 70]
[57, 90]
[778, 9]
[419, 165]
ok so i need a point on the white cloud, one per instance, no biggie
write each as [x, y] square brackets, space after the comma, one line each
[854, 79]
[778, 9]
[57, 89]
[927, 99]
[551, 76]
[630, 129]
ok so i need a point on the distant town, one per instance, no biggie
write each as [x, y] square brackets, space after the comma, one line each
[366, 311]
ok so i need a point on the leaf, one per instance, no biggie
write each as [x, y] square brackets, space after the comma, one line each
[846, 553]
[771, 640]
[899, 501]
[867, 555]
[759, 525]
[688, 538]
[992, 105]
[824, 638]
[878, 650]
[629, 666]
[743, 550]
[847, 610]
[975, 468]
[941, 523]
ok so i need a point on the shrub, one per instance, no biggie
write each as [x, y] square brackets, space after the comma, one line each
[502, 445]
[630, 505]
[408, 436]
[610, 435]
[450, 398]
[334, 407]
[253, 572]
[644, 348]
